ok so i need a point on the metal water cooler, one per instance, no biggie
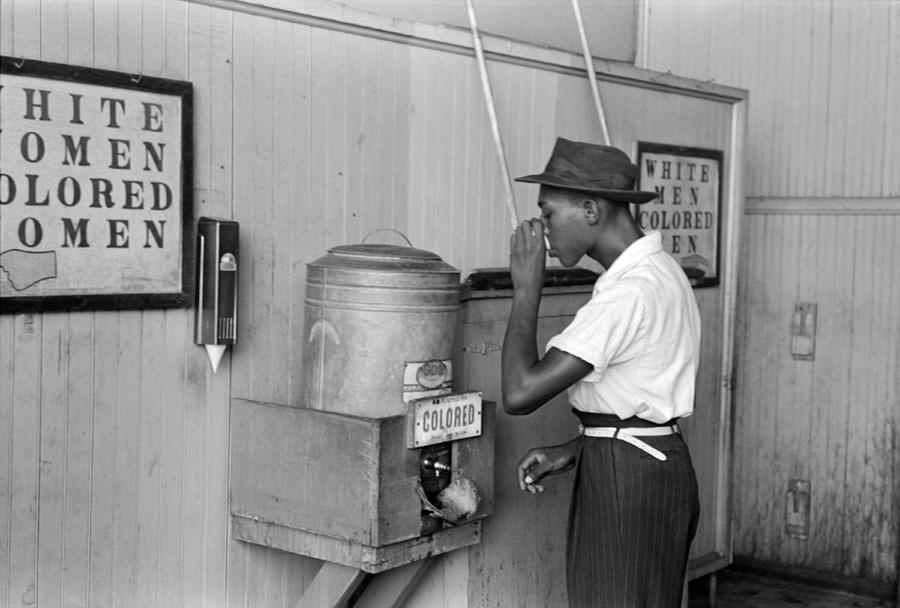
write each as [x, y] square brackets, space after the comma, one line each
[385, 461]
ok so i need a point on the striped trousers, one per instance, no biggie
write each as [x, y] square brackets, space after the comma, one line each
[631, 521]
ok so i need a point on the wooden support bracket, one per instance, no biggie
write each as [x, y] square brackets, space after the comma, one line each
[334, 583]
[390, 589]
[332, 586]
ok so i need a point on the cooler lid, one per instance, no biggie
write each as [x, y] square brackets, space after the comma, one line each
[383, 258]
[383, 252]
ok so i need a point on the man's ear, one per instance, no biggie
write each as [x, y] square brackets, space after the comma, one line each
[592, 210]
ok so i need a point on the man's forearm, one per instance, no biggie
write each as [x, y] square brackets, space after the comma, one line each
[520, 350]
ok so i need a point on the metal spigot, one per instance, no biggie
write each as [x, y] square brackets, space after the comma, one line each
[430, 463]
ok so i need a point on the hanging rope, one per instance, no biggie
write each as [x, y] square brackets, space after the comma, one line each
[592, 75]
[492, 114]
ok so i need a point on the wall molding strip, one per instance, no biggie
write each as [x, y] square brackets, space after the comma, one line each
[763, 205]
[334, 16]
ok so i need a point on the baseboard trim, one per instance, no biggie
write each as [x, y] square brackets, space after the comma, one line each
[818, 578]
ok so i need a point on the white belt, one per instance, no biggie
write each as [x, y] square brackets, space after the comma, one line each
[630, 435]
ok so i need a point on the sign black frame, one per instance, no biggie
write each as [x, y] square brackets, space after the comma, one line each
[183, 90]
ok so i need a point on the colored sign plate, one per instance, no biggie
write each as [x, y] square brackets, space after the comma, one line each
[443, 418]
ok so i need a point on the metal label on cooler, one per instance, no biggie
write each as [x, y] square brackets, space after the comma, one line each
[427, 379]
[443, 418]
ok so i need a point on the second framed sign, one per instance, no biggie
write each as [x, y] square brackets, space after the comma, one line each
[688, 208]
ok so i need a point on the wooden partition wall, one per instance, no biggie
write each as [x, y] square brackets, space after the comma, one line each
[313, 127]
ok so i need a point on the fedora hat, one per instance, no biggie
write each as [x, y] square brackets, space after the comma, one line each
[602, 170]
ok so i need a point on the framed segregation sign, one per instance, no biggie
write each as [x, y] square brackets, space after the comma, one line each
[95, 183]
[688, 209]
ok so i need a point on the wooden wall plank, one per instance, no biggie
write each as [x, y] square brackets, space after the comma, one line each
[242, 191]
[890, 168]
[26, 36]
[832, 342]
[6, 27]
[54, 42]
[259, 233]
[746, 513]
[871, 55]
[860, 410]
[149, 458]
[153, 17]
[80, 21]
[221, 114]
[418, 146]
[769, 493]
[476, 128]
[52, 459]
[127, 420]
[204, 555]
[805, 377]
[319, 134]
[301, 209]
[106, 41]
[7, 369]
[173, 462]
[880, 474]
[194, 535]
[870, 447]
[148, 559]
[75, 544]
[812, 168]
[398, 109]
[54, 394]
[353, 133]
[130, 34]
[124, 400]
[453, 172]
[336, 167]
[103, 458]
[209, 59]
[24, 424]
[790, 406]
[79, 445]
[279, 225]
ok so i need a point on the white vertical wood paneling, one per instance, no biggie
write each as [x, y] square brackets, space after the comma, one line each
[126, 402]
[273, 172]
[151, 356]
[103, 460]
[218, 158]
[283, 206]
[298, 229]
[114, 463]
[7, 397]
[824, 82]
[173, 438]
[20, 456]
[890, 168]
[823, 77]
[53, 397]
[6, 27]
[24, 460]
[829, 420]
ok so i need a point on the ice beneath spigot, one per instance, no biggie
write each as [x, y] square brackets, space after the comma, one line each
[459, 500]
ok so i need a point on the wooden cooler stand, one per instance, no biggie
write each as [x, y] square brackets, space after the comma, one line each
[342, 488]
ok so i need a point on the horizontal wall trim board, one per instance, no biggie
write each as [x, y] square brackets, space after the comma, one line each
[822, 206]
[333, 16]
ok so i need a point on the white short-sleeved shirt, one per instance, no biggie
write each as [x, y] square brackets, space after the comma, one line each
[641, 332]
